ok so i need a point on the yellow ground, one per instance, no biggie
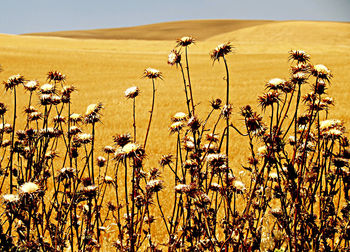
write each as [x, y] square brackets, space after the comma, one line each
[103, 69]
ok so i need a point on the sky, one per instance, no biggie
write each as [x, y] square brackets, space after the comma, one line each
[26, 16]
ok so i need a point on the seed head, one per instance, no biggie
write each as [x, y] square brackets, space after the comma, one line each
[3, 108]
[154, 186]
[238, 186]
[47, 89]
[122, 139]
[269, 99]
[13, 81]
[109, 149]
[194, 123]
[227, 110]
[108, 180]
[75, 118]
[92, 114]
[101, 161]
[29, 188]
[130, 150]
[216, 104]
[322, 72]
[31, 85]
[132, 92]
[275, 84]
[299, 56]
[185, 41]
[10, 198]
[83, 138]
[299, 78]
[55, 76]
[152, 73]
[166, 159]
[174, 58]
[179, 116]
[176, 127]
[220, 51]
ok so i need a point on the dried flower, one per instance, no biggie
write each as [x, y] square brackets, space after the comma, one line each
[47, 89]
[152, 73]
[220, 51]
[174, 57]
[322, 72]
[166, 160]
[238, 186]
[269, 99]
[10, 198]
[83, 138]
[227, 111]
[154, 186]
[55, 76]
[31, 85]
[179, 116]
[216, 104]
[101, 161]
[299, 56]
[130, 150]
[13, 81]
[275, 84]
[132, 92]
[176, 127]
[122, 139]
[185, 41]
[75, 118]
[3, 108]
[29, 188]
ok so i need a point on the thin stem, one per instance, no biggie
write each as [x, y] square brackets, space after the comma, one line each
[151, 114]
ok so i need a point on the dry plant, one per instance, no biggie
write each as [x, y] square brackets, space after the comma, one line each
[294, 195]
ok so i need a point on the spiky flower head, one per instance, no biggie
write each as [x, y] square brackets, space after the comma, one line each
[179, 116]
[154, 186]
[130, 150]
[174, 57]
[47, 88]
[299, 56]
[3, 108]
[176, 126]
[55, 76]
[92, 114]
[166, 159]
[83, 138]
[275, 84]
[10, 198]
[185, 41]
[101, 161]
[132, 92]
[31, 85]
[152, 73]
[194, 123]
[238, 186]
[122, 139]
[75, 118]
[13, 81]
[322, 72]
[29, 188]
[299, 78]
[269, 99]
[216, 103]
[227, 111]
[109, 149]
[220, 51]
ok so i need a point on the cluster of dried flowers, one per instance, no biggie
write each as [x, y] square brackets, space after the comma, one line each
[294, 194]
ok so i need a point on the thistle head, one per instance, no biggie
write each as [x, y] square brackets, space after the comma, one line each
[220, 51]
[152, 73]
[185, 41]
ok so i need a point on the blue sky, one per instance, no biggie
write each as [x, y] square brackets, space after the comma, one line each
[24, 16]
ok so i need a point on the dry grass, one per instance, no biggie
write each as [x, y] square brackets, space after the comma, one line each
[103, 69]
[200, 29]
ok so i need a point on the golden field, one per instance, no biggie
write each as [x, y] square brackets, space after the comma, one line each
[102, 69]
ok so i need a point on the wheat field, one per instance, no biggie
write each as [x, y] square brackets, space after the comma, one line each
[102, 64]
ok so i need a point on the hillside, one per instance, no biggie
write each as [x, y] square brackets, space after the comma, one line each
[200, 29]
